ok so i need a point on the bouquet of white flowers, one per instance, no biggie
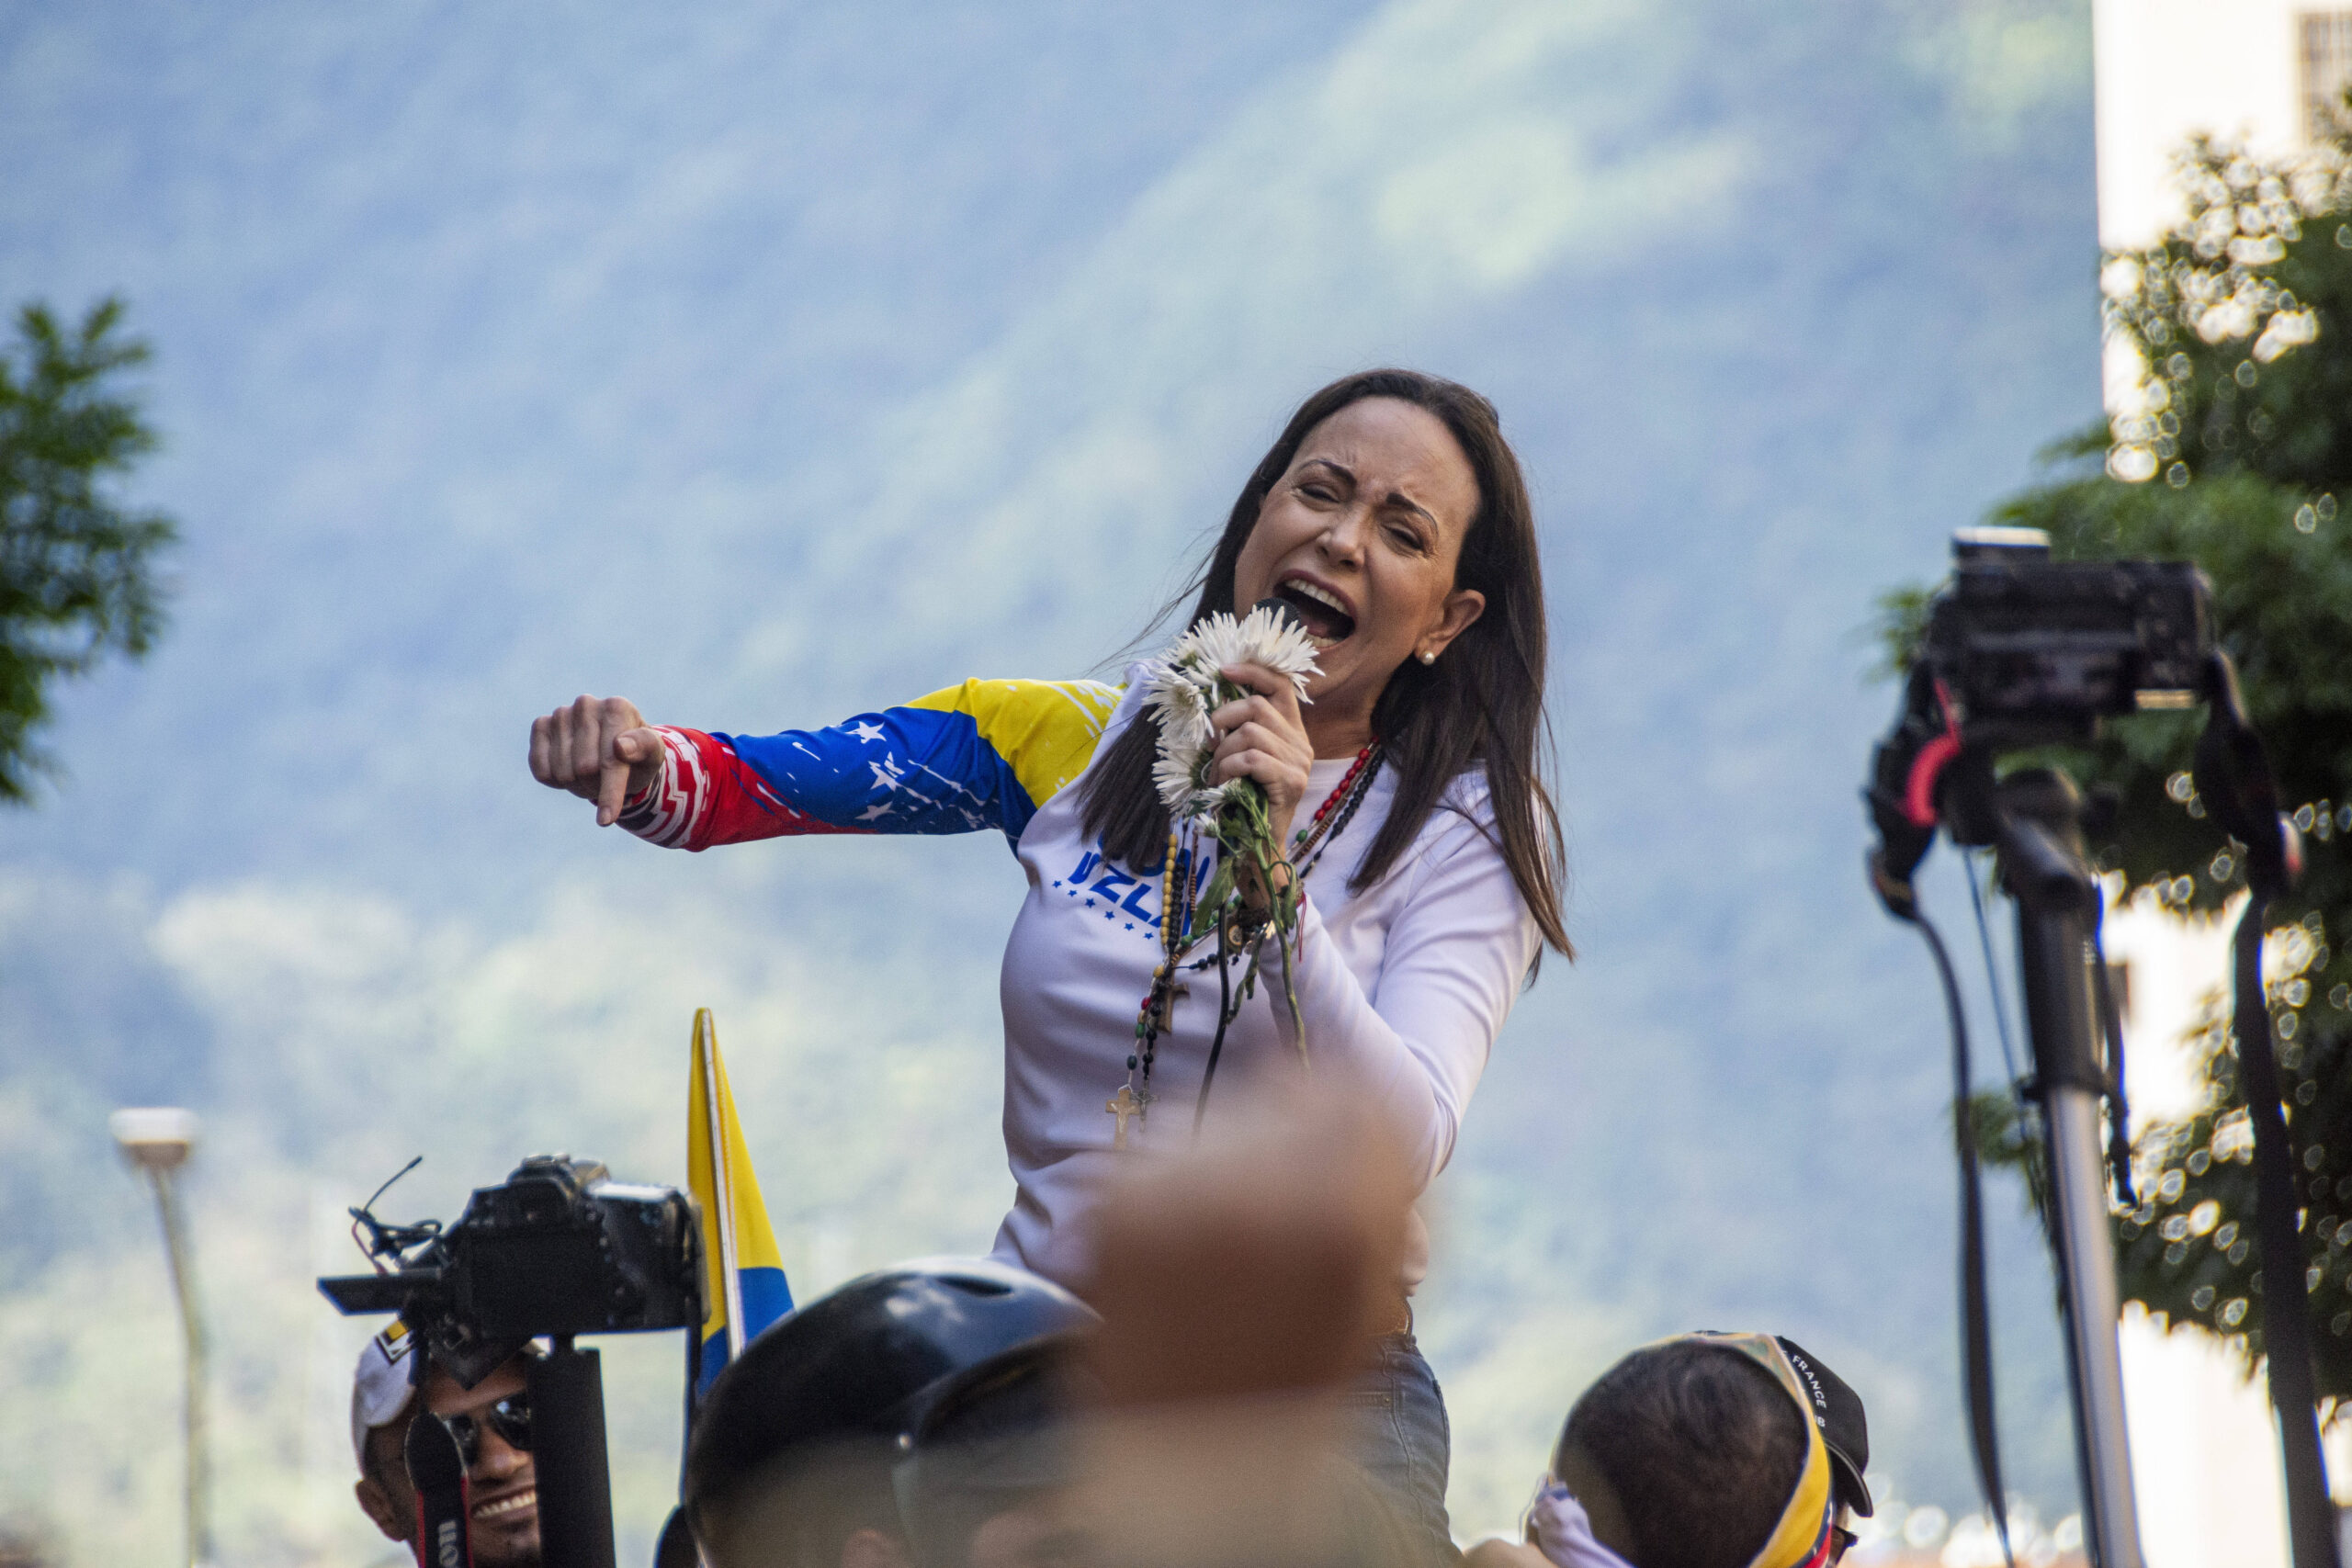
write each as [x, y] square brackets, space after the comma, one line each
[1187, 685]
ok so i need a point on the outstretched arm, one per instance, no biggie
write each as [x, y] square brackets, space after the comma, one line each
[984, 754]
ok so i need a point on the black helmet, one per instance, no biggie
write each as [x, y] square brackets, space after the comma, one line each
[861, 1364]
[991, 1436]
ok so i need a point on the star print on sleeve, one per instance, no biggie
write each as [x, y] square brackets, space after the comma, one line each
[984, 754]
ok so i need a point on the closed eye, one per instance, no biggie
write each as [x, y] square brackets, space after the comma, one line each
[1324, 481]
[1408, 538]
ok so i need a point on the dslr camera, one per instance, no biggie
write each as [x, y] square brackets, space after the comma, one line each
[2028, 650]
[2020, 650]
[559, 1248]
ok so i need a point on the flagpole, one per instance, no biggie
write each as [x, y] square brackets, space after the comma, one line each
[721, 1181]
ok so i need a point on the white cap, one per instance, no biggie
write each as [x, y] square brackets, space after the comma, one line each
[381, 1386]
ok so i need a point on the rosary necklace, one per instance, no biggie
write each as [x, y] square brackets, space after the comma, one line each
[1178, 889]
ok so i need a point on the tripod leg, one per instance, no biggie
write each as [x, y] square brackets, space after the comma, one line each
[2057, 904]
[567, 1447]
[2087, 1266]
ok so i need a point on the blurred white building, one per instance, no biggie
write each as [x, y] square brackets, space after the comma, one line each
[2265, 72]
[2204, 1449]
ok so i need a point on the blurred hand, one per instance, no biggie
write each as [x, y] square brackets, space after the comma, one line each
[1261, 1260]
[600, 749]
[1242, 1280]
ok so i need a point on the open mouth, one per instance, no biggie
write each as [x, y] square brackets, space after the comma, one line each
[507, 1507]
[1321, 612]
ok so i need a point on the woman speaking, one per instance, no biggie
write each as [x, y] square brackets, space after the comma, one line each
[1420, 866]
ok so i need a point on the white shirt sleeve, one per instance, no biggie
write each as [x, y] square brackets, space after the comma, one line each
[1457, 954]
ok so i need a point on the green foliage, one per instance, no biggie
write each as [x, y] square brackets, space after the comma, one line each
[2235, 451]
[76, 571]
[2008, 1138]
[2217, 310]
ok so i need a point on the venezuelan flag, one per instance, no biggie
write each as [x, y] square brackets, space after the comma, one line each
[742, 1273]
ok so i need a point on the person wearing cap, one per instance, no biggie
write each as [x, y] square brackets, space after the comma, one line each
[798, 1450]
[1845, 1429]
[492, 1422]
[1705, 1450]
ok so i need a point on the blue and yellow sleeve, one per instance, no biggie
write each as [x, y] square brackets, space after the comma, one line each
[984, 754]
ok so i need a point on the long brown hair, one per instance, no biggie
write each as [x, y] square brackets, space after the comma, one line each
[1481, 703]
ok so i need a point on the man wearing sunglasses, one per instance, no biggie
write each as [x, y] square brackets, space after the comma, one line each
[492, 1422]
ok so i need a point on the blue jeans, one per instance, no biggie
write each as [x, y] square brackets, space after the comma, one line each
[1404, 1443]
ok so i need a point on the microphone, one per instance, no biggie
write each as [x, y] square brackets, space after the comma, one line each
[1282, 609]
[436, 1468]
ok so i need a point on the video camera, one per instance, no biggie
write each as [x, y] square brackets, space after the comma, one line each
[2020, 650]
[2045, 649]
[559, 1248]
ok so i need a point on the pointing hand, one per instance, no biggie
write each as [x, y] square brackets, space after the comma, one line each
[600, 749]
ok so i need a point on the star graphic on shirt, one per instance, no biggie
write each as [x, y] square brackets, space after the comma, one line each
[867, 729]
[873, 812]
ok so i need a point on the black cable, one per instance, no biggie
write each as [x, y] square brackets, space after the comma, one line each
[2286, 1310]
[2233, 775]
[1975, 1312]
[1991, 970]
[2118, 1104]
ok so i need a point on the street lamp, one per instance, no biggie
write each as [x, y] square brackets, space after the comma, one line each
[158, 1141]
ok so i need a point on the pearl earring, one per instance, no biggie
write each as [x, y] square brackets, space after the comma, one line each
[1428, 658]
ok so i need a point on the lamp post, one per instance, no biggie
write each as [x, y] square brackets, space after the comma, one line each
[158, 1142]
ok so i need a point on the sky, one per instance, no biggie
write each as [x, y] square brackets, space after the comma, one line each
[770, 365]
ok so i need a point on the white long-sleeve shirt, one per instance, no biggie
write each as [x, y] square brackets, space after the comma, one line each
[1402, 986]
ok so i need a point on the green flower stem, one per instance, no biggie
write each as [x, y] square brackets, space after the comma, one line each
[1244, 831]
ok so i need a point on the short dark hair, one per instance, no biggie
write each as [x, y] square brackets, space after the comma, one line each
[1701, 1446]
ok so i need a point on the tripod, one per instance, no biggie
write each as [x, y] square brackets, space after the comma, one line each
[2033, 821]
[2034, 818]
[2023, 651]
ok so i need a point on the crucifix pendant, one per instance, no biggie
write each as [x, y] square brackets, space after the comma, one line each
[1121, 1105]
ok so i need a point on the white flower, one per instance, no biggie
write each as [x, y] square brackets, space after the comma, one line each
[1185, 688]
[1211, 801]
[1181, 704]
[1176, 775]
[1261, 636]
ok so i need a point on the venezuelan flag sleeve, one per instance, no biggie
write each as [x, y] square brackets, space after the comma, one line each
[984, 754]
[743, 1271]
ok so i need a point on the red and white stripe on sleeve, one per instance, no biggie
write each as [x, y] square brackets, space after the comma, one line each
[707, 795]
